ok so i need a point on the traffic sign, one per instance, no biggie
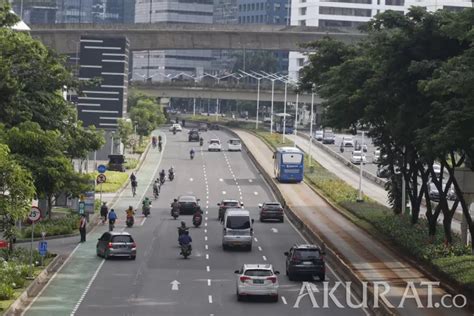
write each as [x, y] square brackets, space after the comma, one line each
[82, 207]
[101, 168]
[101, 178]
[43, 247]
[35, 214]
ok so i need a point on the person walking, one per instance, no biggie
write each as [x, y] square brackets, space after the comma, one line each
[82, 227]
[104, 210]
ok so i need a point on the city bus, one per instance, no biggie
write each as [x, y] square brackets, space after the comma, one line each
[278, 119]
[288, 164]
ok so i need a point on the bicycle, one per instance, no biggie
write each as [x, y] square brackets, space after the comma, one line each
[111, 225]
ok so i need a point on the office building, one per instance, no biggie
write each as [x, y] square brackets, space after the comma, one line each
[104, 59]
[351, 14]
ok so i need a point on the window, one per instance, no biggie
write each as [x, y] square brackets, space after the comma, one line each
[259, 273]
[351, 1]
[276, 6]
[238, 222]
[303, 1]
[395, 2]
[240, 20]
[253, 6]
[240, 7]
[302, 23]
[345, 11]
[301, 61]
[338, 23]
[292, 158]
[303, 11]
[122, 238]
[307, 254]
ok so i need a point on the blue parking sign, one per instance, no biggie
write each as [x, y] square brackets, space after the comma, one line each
[43, 248]
[101, 168]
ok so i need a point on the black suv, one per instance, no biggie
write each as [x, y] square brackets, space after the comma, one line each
[271, 210]
[193, 136]
[214, 127]
[305, 260]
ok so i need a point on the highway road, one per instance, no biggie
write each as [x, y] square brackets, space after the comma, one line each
[89, 285]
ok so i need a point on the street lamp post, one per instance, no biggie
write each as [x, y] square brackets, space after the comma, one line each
[296, 118]
[112, 143]
[258, 102]
[271, 108]
[359, 197]
[284, 113]
[194, 107]
[311, 129]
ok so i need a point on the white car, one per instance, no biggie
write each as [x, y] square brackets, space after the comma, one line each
[437, 169]
[358, 157]
[347, 141]
[376, 156]
[177, 126]
[257, 280]
[214, 145]
[318, 135]
[234, 144]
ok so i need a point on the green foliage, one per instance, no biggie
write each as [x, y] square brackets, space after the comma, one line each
[80, 141]
[131, 163]
[125, 130]
[461, 269]
[145, 113]
[16, 192]
[6, 291]
[53, 227]
[6, 17]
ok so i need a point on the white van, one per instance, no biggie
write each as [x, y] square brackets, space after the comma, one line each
[234, 144]
[238, 231]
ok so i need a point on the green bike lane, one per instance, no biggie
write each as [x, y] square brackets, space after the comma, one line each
[67, 287]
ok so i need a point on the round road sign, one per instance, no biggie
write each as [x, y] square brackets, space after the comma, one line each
[35, 214]
[101, 178]
[101, 168]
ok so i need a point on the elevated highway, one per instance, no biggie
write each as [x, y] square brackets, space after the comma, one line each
[63, 38]
[244, 94]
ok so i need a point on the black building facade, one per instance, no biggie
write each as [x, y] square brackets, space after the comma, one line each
[104, 60]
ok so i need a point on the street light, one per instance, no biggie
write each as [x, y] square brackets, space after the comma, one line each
[272, 78]
[296, 118]
[311, 127]
[359, 197]
[258, 93]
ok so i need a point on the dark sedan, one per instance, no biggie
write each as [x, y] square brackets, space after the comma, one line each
[188, 204]
[116, 244]
[193, 136]
[271, 210]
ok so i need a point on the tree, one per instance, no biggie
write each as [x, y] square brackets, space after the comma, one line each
[125, 130]
[16, 192]
[80, 141]
[147, 115]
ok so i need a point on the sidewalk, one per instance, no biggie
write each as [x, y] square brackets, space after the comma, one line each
[369, 259]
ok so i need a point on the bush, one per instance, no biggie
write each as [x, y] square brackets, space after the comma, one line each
[131, 163]
[6, 291]
[53, 227]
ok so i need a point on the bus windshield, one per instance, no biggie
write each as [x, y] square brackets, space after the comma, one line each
[292, 158]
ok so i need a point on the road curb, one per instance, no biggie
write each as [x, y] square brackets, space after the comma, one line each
[17, 307]
[334, 259]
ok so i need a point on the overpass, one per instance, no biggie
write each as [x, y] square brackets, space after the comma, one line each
[169, 91]
[63, 38]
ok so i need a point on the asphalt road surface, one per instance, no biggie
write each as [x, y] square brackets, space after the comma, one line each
[206, 280]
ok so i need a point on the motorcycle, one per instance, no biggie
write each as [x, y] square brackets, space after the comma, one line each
[130, 221]
[146, 210]
[186, 250]
[175, 213]
[174, 132]
[162, 180]
[201, 142]
[171, 176]
[156, 193]
[191, 155]
[197, 220]
[181, 231]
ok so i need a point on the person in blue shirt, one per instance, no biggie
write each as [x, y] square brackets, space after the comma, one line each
[185, 239]
[112, 218]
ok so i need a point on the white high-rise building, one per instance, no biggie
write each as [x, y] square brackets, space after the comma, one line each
[351, 14]
[160, 65]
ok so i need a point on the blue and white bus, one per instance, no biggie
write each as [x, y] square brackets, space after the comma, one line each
[278, 119]
[289, 164]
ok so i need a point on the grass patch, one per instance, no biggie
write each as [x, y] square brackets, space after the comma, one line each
[115, 180]
[140, 148]
[459, 268]
[131, 163]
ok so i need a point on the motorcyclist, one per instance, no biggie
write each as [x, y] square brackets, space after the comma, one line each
[134, 185]
[153, 141]
[171, 171]
[130, 212]
[162, 174]
[197, 214]
[104, 210]
[185, 239]
[182, 228]
[146, 203]
[183, 122]
[191, 153]
[201, 141]
[156, 187]
[160, 145]
[175, 207]
[112, 218]
[159, 138]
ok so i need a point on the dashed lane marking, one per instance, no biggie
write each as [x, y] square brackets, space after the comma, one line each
[207, 247]
[208, 282]
[260, 248]
[210, 299]
[205, 238]
[220, 179]
[87, 288]
[256, 193]
[255, 238]
[208, 269]
[283, 299]
[264, 258]
[207, 256]
[223, 192]
[191, 179]
[274, 230]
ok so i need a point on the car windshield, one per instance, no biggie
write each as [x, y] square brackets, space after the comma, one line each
[258, 273]
[231, 204]
[294, 158]
[356, 153]
[307, 254]
[328, 135]
[187, 199]
[238, 222]
[214, 141]
[122, 238]
[234, 142]
[272, 205]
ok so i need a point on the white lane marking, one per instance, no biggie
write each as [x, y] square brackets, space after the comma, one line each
[255, 238]
[283, 299]
[207, 212]
[264, 258]
[221, 180]
[143, 221]
[175, 285]
[191, 179]
[205, 218]
[207, 256]
[256, 193]
[208, 282]
[205, 230]
[250, 180]
[96, 273]
[260, 248]
[208, 269]
[205, 224]
[223, 192]
[274, 230]
[207, 247]
[210, 299]
[205, 238]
